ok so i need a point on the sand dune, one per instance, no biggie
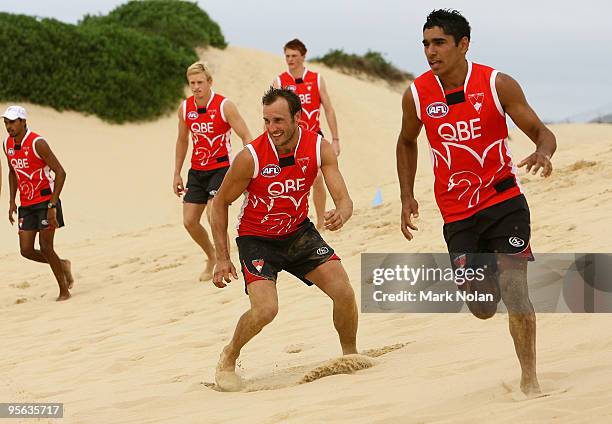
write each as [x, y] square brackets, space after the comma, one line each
[139, 341]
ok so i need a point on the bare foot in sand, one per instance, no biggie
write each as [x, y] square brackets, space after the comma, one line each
[225, 375]
[207, 274]
[67, 267]
[530, 386]
[63, 296]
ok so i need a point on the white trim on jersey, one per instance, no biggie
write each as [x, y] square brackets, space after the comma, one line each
[185, 110]
[304, 75]
[319, 82]
[298, 142]
[498, 105]
[242, 208]
[417, 102]
[515, 170]
[34, 147]
[319, 140]
[467, 77]
[255, 159]
[465, 82]
[212, 96]
[278, 81]
[222, 111]
[272, 146]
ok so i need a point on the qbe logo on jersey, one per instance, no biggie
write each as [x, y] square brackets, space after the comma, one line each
[192, 115]
[437, 110]
[270, 171]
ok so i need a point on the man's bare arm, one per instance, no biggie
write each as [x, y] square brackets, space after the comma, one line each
[515, 104]
[406, 155]
[234, 184]
[335, 218]
[330, 115]
[182, 144]
[235, 120]
[44, 151]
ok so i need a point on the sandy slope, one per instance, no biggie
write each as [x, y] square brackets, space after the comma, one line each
[139, 340]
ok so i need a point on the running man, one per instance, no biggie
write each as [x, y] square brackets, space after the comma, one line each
[208, 118]
[30, 163]
[463, 106]
[277, 171]
[310, 87]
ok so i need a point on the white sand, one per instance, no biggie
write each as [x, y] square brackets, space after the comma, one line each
[139, 340]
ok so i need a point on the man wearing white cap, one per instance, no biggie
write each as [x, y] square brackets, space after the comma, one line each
[31, 161]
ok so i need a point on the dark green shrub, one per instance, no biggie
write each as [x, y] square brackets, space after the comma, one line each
[116, 73]
[182, 22]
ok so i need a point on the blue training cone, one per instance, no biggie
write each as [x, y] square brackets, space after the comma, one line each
[377, 198]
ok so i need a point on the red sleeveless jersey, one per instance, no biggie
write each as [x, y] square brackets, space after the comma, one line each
[34, 178]
[307, 88]
[210, 133]
[467, 134]
[276, 199]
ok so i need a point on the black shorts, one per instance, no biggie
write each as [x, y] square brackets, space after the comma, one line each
[501, 228]
[299, 253]
[203, 185]
[34, 217]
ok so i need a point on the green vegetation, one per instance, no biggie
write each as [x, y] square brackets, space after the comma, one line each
[102, 66]
[372, 64]
[182, 22]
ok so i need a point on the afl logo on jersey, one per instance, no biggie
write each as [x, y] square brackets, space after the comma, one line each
[437, 110]
[290, 87]
[270, 171]
[192, 115]
[11, 152]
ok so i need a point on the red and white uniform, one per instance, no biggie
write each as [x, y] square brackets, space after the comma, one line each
[34, 178]
[307, 88]
[276, 201]
[468, 142]
[210, 133]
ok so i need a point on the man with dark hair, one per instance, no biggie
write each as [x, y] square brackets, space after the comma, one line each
[30, 162]
[463, 107]
[312, 91]
[276, 170]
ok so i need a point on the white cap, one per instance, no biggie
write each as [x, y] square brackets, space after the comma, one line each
[15, 112]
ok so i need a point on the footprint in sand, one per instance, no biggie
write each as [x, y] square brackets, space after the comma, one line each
[347, 364]
[379, 351]
[22, 285]
[20, 300]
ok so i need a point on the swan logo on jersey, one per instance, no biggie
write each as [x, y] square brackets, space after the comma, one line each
[258, 264]
[212, 113]
[192, 115]
[11, 152]
[291, 87]
[437, 110]
[303, 163]
[516, 241]
[476, 100]
[270, 171]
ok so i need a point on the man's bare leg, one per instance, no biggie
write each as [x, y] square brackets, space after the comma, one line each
[331, 278]
[319, 198]
[264, 307]
[522, 319]
[192, 213]
[47, 255]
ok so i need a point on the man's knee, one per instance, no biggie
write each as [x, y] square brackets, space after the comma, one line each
[27, 252]
[265, 314]
[191, 223]
[46, 249]
[482, 310]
